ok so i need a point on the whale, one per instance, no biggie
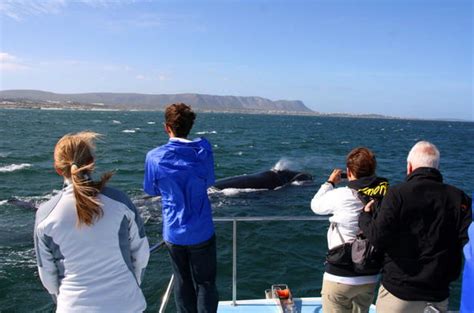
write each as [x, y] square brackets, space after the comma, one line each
[271, 179]
[22, 204]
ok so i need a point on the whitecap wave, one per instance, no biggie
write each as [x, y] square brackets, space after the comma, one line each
[235, 191]
[2, 202]
[116, 122]
[229, 192]
[19, 259]
[4, 154]
[151, 123]
[14, 167]
[129, 131]
[344, 142]
[37, 200]
[206, 132]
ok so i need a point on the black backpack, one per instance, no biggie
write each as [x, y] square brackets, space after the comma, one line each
[363, 257]
[366, 259]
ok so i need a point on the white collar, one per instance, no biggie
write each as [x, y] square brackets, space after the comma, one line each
[180, 139]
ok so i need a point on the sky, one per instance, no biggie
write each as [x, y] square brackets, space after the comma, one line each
[402, 58]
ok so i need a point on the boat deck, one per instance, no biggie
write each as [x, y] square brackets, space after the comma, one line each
[303, 305]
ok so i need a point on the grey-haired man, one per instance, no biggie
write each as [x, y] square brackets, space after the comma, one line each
[421, 226]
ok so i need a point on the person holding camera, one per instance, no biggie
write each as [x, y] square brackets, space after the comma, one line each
[344, 289]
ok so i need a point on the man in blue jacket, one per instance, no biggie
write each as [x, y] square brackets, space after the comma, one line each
[181, 171]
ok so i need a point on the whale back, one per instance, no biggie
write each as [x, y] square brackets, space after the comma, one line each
[262, 180]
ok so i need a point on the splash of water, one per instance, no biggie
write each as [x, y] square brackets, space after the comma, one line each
[284, 164]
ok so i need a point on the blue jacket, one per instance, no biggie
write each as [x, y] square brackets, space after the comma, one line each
[181, 171]
[467, 301]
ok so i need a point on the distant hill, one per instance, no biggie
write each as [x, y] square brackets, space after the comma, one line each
[136, 101]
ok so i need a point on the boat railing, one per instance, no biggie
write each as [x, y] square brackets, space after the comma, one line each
[234, 221]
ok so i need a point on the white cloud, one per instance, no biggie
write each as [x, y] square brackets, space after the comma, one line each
[85, 65]
[18, 9]
[163, 77]
[140, 77]
[116, 68]
[147, 20]
[5, 57]
[151, 20]
[99, 3]
[13, 67]
[10, 62]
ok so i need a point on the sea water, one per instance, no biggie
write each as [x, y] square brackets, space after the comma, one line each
[268, 252]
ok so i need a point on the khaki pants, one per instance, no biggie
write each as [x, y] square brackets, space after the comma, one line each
[342, 298]
[388, 303]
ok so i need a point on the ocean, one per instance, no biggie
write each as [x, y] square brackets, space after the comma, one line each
[268, 252]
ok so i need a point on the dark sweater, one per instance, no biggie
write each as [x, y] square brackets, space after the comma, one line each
[422, 227]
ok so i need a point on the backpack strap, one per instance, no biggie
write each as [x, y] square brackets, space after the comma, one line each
[334, 225]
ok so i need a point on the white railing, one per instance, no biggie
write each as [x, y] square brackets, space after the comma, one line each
[234, 221]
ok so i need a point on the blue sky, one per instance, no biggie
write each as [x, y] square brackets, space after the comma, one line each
[401, 58]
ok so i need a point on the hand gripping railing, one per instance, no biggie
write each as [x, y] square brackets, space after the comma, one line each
[234, 221]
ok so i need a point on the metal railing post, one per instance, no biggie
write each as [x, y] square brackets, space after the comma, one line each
[234, 263]
[234, 221]
[166, 296]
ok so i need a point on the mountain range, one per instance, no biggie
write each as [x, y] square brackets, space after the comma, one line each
[137, 101]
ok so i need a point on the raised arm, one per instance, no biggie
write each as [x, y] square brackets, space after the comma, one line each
[325, 199]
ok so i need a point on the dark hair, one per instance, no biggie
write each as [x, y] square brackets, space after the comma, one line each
[180, 118]
[361, 161]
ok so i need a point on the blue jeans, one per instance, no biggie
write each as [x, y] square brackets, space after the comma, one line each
[194, 269]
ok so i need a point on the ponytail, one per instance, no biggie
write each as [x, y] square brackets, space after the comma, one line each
[73, 156]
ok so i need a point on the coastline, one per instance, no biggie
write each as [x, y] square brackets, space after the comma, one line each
[106, 108]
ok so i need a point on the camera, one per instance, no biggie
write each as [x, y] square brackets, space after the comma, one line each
[343, 175]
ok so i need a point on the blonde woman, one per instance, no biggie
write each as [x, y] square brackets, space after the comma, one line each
[90, 241]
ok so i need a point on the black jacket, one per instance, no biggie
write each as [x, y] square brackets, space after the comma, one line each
[421, 226]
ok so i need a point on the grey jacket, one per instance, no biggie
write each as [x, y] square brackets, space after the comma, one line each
[95, 268]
